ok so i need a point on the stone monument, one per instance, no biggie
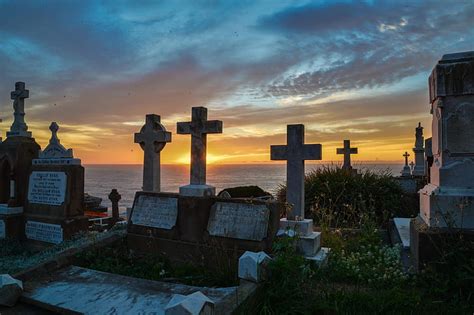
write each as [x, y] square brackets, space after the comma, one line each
[406, 171]
[428, 158]
[347, 151]
[152, 139]
[419, 150]
[16, 155]
[447, 201]
[198, 128]
[295, 153]
[54, 208]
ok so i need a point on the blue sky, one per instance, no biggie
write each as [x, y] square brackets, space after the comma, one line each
[354, 70]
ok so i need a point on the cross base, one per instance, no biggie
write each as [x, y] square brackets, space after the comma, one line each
[197, 190]
[19, 134]
[406, 171]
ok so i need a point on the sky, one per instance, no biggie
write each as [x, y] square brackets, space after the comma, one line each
[346, 70]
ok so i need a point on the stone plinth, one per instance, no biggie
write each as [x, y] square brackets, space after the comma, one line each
[197, 190]
[201, 229]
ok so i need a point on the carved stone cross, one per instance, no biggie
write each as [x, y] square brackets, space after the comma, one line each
[295, 153]
[198, 128]
[152, 139]
[19, 127]
[406, 155]
[347, 151]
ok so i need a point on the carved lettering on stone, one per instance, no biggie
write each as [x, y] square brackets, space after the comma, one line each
[154, 211]
[47, 188]
[44, 232]
[239, 220]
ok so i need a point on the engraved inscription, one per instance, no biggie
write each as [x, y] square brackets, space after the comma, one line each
[3, 234]
[239, 220]
[47, 188]
[45, 232]
[154, 211]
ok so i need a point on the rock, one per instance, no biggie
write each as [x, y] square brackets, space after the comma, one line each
[194, 304]
[10, 290]
[252, 266]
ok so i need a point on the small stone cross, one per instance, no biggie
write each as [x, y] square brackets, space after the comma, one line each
[114, 198]
[406, 155]
[295, 153]
[347, 151]
[152, 139]
[198, 128]
[19, 127]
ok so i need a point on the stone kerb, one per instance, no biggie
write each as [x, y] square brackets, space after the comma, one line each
[193, 304]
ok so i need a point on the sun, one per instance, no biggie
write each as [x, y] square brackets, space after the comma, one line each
[186, 159]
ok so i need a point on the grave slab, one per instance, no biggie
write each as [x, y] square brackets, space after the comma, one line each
[403, 227]
[87, 291]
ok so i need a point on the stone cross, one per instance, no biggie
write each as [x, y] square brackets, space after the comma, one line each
[152, 139]
[198, 128]
[19, 127]
[347, 151]
[406, 171]
[295, 153]
[114, 198]
[406, 155]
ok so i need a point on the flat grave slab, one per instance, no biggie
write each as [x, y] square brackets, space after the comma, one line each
[93, 292]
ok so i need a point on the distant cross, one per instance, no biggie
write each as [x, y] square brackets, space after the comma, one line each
[295, 153]
[152, 139]
[54, 132]
[198, 128]
[406, 155]
[18, 96]
[347, 151]
[412, 165]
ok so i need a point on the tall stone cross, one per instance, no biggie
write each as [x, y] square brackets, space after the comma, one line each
[347, 151]
[406, 155]
[406, 171]
[198, 128]
[295, 153]
[152, 139]
[19, 127]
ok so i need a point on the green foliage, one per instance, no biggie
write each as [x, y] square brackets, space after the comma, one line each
[119, 259]
[338, 198]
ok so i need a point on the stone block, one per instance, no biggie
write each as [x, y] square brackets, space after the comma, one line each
[197, 190]
[302, 227]
[309, 245]
[194, 304]
[252, 266]
[10, 290]
[321, 257]
[5, 209]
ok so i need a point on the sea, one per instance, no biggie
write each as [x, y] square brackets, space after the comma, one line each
[127, 179]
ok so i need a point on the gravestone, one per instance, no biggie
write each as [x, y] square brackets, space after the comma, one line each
[295, 153]
[347, 151]
[428, 157]
[198, 128]
[152, 139]
[419, 150]
[114, 198]
[447, 201]
[16, 155]
[406, 171]
[55, 205]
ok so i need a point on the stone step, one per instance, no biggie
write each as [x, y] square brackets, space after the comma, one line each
[321, 257]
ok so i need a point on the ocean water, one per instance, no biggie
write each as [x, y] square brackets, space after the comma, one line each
[127, 179]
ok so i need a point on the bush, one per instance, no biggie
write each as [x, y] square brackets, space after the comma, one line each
[339, 198]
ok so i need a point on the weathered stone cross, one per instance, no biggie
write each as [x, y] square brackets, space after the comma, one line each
[19, 127]
[406, 155]
[295, 152]
[347, 151]
[152, 139]
[198, 128]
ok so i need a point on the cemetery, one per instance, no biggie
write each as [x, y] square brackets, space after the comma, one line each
[338, 239]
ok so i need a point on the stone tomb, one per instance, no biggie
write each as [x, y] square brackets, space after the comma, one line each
[55, 205]
[186, 228]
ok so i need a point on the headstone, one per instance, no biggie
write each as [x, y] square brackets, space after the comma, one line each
[428, 157]
[446, 202]
[10, 290]
[54, 209]
[16, 155]
[347, 151]
[114, 198]
[198, 128]
[295, 153]
[419, 150]
[252, 266]
[406, 172]
[155, 211]
[152, 139]
[193, 304]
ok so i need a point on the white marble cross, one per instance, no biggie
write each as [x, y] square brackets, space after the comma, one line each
[152, 139]
[347, 151]
[295, 153]
[19, 127]
[198, 128]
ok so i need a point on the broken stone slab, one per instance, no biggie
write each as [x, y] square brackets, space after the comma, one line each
[10, 290]
[252, 266]
[193, 304]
